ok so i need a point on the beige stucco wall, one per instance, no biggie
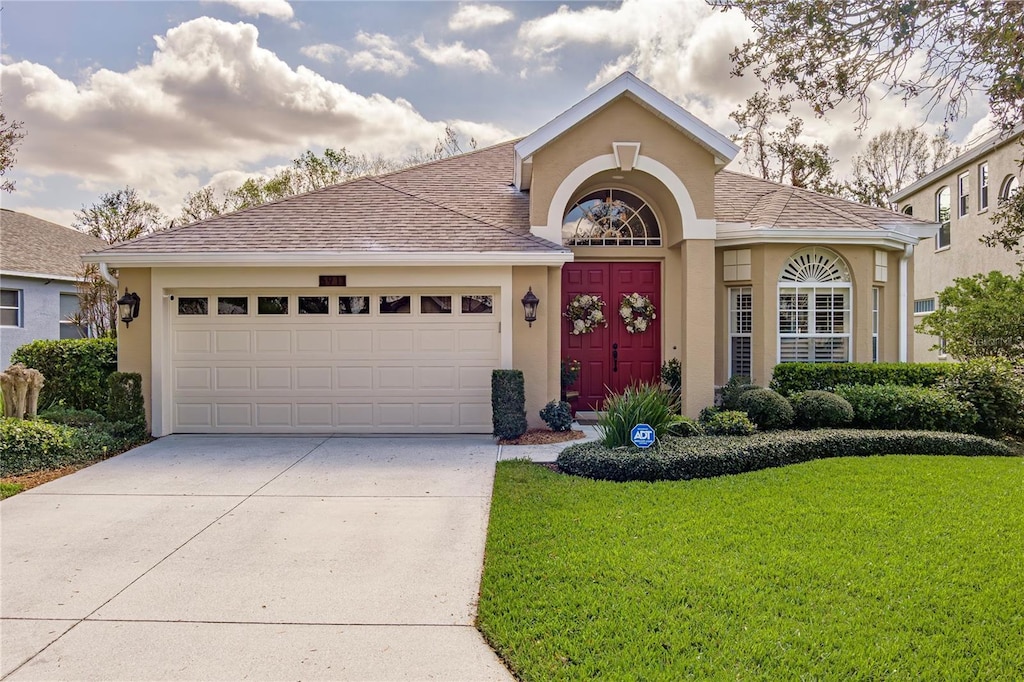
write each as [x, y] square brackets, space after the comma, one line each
[623, 121]
[532, 346]
[135, 341]
[767, 261]
[934, 270]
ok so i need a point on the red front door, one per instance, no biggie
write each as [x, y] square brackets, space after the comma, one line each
[612, 358]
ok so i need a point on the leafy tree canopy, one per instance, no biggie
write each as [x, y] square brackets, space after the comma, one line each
[119, 216]
[11, 134]
[980, 316]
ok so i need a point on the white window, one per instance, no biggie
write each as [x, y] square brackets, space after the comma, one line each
[982, 186]
[10, 308]
[963, 192]
[815, 307]
[69, 310]
[876, 298]
[942, 206]
[611, 217]
[736, 265]
[908, 210]
[741, 322]
[923, 306]
[1009, 186]
[881, 266]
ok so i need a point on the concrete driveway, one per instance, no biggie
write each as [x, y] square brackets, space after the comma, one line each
[253, 557]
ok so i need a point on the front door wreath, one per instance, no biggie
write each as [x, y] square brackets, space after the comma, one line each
[585, 311]
[637, 311]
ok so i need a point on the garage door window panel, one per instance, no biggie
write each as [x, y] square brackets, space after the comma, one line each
[232, 305]
[477, 305]
[272, 305]
[353, 305]
[313, 305]
[193, 305]
[392, 305]
[436, 305]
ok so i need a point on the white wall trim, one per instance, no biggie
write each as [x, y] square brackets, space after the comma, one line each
[884, 238]
[38, 275]
[693, 227]
[904, 292]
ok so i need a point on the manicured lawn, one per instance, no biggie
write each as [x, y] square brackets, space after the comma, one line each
[8, 489]
[896, 568]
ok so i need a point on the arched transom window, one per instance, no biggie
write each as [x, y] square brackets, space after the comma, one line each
[815, 307]
[610, 217]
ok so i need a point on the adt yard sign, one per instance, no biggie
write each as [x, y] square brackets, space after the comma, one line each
[642, 436]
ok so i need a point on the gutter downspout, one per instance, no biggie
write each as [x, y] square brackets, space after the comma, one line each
[908, 252]
[105, 273]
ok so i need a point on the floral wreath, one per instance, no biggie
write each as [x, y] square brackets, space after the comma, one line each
[636, 311]
[586, 311]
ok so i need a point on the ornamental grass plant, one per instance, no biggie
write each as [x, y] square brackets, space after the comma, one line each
[637, 404]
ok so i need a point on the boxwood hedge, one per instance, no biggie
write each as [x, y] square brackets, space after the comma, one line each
[706, 457]
[793, 377]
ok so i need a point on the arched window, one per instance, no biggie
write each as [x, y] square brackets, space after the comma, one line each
[610, 217]
[815, 307]
[942, 207]
[1009, 186]
[908, 209]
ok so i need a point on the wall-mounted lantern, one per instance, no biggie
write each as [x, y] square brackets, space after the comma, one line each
[530, 303]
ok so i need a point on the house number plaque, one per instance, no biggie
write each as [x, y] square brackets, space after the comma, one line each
[332, 280]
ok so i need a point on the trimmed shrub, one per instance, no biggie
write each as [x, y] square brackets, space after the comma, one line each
[684, 427]
[766, 408]
[727, 423]
[733, 389]
[995, 390]
[689, 458]
[557, 415]
[908, 407]
[35, 445]
[793, 377]
[821, 410]
[75, 370]
[672, 376]
[638, 404]
[124, 401]
[63, 415]
[508, 403]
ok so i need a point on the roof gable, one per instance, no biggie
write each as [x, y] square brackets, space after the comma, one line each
[625, 85]
[34, 246]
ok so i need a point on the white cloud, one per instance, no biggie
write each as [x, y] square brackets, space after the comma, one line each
[381, 54]
[471, 17]
[61, 216]
[277, 9]
[323, 52]
[456, 54]
[210, 100]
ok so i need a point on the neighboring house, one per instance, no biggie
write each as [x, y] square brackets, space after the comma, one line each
[961, 196]
[40, 262]
[382, 304]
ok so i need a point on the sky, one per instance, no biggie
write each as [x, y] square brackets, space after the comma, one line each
[169, 97]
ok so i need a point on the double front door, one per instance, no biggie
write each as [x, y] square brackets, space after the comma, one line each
[612, 358]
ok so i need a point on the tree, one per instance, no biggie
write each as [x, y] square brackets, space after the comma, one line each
[826, 53]
[119, 216]
[894, 159]
[11, 135]
[980, 316]
[97, 303]
[1009, 225]
[779, 155]
[201, 205]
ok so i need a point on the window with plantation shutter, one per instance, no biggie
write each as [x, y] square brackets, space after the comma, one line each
[741, 321]
[815, 307]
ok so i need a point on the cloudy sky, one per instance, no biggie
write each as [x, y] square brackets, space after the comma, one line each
[170, 96]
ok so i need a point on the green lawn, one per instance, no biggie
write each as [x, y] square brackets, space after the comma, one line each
[8, 489]
[895, 568]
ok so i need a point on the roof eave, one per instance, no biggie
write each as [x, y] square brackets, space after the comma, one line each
[332, 258]
[738, 234]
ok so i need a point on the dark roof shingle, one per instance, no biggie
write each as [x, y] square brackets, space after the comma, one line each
[32, 245]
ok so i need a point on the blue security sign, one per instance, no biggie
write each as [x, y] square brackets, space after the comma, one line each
[642, 436]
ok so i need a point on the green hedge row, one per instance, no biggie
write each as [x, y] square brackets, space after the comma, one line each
[75, 371]
[794, 377]
[39, 445]
[706, 457]
[908, 407]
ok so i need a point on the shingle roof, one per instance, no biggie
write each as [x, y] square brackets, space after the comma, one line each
[32, 245]
[743, 198]
[466, 204]
[460, 204]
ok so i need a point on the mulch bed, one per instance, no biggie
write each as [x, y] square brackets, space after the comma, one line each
[544, 437]
[31, 480]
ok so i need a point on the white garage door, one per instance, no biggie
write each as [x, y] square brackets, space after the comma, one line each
[386, 362]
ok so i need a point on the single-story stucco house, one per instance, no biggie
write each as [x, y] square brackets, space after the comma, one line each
[382, 304]
[40, 265]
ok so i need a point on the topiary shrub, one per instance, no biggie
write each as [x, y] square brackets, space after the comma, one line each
[672, 376]
[508, 403]
[35, 445]
[638, 404]
[733, 389]
[727, 423]
[688, 458]
[995, 390]
[75, 370]
[557, 415]
[125, 401]
[821, 410]
[63, 415]
[793, 377]
[908, 407]
[766, 408]
[684, 427]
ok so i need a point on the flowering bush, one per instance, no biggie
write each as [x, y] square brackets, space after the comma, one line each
[636, 311]
[586, 312]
